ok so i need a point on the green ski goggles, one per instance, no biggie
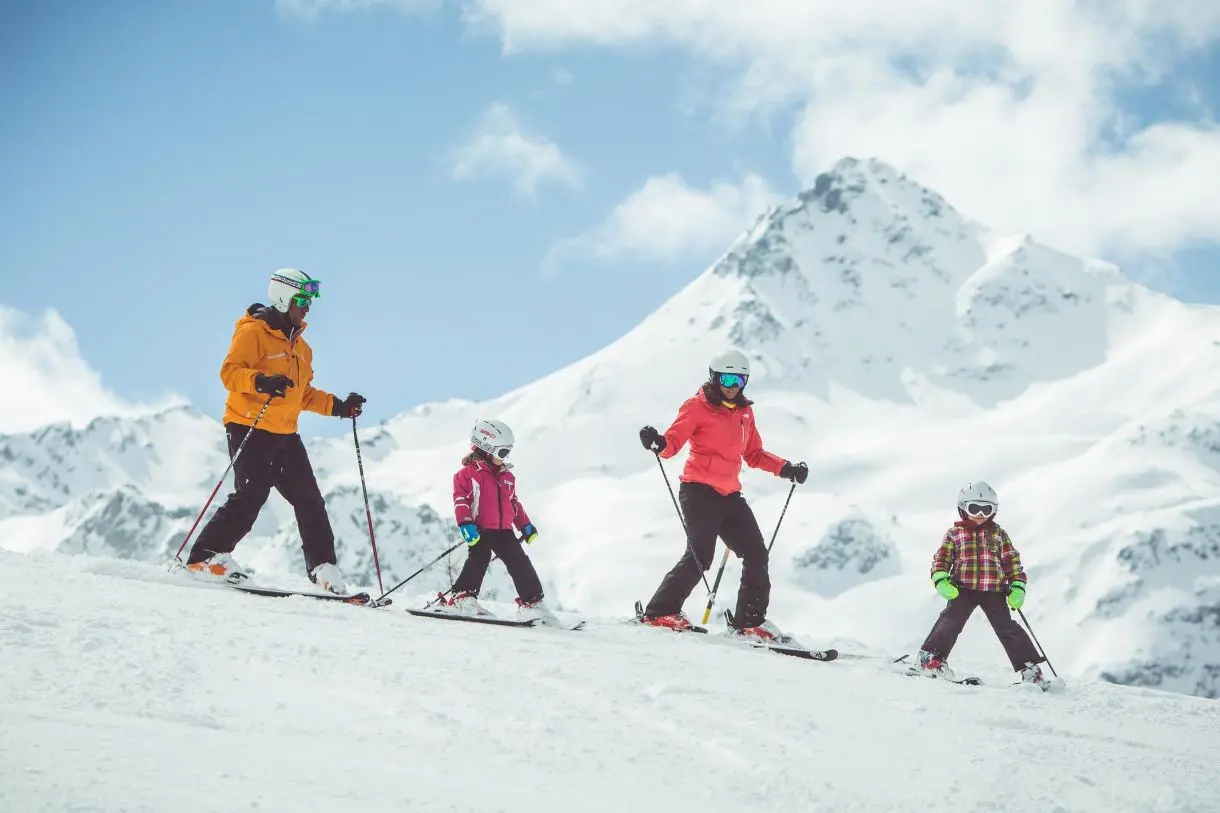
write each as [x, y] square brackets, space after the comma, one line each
[311, 289]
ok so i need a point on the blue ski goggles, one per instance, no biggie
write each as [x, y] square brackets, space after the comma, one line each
[732, 380]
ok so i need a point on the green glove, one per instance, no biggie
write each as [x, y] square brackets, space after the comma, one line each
[940, 580]
[1016, 595]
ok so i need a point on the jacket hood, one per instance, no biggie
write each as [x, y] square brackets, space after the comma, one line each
[273, 319]
[965, 523]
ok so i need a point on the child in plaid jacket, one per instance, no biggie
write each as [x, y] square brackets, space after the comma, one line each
[976, 565]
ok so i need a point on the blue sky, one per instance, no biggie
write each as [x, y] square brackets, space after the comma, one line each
[477, 195]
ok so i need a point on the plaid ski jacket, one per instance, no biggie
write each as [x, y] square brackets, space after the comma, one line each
[978, 557]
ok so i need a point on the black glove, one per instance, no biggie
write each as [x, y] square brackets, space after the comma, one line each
[798, 472]
[273, 385]
[349, 407]
[652, 440]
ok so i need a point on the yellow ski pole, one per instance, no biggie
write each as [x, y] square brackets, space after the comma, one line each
[711, 597]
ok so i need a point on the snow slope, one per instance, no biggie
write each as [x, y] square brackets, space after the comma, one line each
[900, 348]
[133, 692]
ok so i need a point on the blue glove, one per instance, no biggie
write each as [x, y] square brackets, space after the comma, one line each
[529, 533]
[470, 533]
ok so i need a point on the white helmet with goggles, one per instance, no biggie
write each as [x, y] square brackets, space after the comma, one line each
[288, 284]
[493, 437]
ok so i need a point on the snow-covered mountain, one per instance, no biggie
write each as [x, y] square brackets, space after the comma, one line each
[899, 348]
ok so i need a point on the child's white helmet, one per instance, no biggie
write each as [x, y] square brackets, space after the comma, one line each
[493, 437]
[289, 282]
[977, 492]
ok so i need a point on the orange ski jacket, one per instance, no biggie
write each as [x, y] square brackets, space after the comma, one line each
[265, 342]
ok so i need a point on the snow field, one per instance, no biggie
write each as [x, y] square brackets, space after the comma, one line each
[125, 689]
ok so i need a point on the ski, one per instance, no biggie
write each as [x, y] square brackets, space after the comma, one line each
[243, 583]
[801, 652]
[357, 599]
[786, 646]
[915, 671]
[491, 619]
[970, 680]
[639, 621]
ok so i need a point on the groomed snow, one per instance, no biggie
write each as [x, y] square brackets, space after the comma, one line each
[124, 688]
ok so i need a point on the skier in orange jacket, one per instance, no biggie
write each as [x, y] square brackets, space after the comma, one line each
[270, 364]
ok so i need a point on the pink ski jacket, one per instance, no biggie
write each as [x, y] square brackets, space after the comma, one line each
[487, 496]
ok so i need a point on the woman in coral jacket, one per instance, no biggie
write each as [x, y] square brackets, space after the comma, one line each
[718, 422]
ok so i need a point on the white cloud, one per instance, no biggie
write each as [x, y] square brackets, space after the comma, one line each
[46, 379]
[313, 9]
[667, 220]
[502, 147]
[1012, 110]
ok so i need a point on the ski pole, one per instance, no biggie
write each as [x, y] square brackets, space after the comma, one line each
[421, 570]
[693, 555]
[450, 590]
[232, 462]
[1036, 641]
[781, 516]
[711, 600]
[367, 513]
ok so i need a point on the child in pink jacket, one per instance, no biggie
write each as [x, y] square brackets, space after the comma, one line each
[487, 510]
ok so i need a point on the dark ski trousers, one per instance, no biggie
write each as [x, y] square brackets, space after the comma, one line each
[709, 514]
[268, 461]
[1017, 645]
[506, 545]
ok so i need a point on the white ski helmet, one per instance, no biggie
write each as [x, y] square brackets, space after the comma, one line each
[493, 437]
[977, 491]
[289, 282]
[730, 361]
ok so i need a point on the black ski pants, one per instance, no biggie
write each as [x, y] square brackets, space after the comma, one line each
[1017, 645]
[506, 545]
[269, 460]
[709, 514]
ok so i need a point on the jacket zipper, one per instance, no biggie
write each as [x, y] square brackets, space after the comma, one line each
[499, 498]
[292, 353]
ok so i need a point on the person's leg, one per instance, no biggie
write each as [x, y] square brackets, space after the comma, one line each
[1017, 644]
[253, 474]
[950, 623]
[508, 547]
[298, 485]
[702, 508]
[478, 557]
[742, 535]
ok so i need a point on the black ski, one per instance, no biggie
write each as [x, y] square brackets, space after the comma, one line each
[358, 599]
[784, 649]
[489, 619]
[639, 619]
[799, 652]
